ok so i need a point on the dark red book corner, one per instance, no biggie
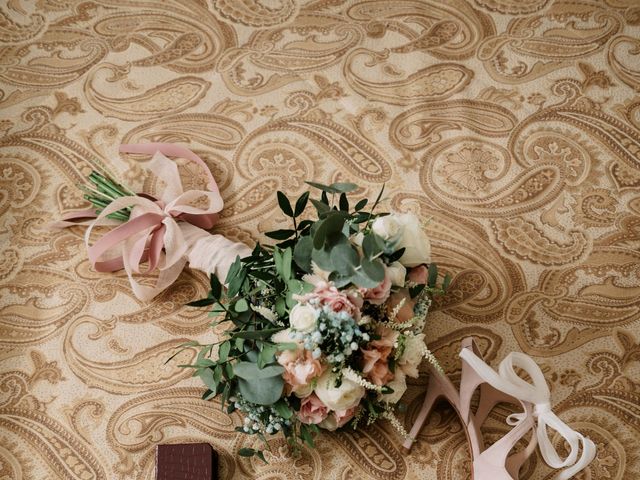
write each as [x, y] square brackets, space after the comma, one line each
[186, 461]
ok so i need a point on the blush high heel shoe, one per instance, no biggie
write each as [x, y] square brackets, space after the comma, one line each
[537, 395]
[495, 462]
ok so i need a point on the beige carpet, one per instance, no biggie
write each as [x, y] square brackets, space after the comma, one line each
[514, 125]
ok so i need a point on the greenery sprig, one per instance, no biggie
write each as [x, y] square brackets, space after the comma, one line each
[261, 290]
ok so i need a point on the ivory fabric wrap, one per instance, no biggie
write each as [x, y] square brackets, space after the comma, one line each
[510, 127]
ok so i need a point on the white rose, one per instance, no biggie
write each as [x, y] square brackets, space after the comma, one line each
[397, 274]
[399, 385]
[412, 355]
[303, 318]
[344, 397]
[413, 240]
[387, 227]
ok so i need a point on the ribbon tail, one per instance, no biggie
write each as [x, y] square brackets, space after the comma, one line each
[165, 278]
[588, 454]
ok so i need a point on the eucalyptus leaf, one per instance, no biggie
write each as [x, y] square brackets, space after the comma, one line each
[250, 371]
[373, 269]
[302, 253]
[322, 258]
[362, 280]
[206, 375]
[345, 259]
[371, 245]
[266, 391]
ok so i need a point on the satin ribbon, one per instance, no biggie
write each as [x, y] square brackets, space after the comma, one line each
[538, 394]
[161, 231]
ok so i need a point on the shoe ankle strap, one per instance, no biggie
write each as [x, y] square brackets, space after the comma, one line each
[538, 394]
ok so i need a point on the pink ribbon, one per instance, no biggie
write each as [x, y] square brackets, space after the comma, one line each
[161, 232]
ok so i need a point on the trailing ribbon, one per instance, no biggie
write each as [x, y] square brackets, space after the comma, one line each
[167, 232]
[538, 394]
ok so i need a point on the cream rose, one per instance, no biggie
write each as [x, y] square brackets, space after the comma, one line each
[397, 274]
[399, 386]
[387, 227]
[412, 355]
[303, 318]
[344, 397]
[413, 240]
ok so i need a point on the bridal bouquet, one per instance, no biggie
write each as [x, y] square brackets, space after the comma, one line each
[320, 330]
[324, 327]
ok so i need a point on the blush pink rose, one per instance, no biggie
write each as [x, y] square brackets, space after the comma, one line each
[376, 367]
[336, 300]
[375, 358]
[312, 410]
[378, 295]
[419, 274]
[343, 416]
[338, 418]
[300, 368]
[406, 311]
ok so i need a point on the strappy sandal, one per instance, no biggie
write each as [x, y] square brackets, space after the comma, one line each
[493, 463]
[538, 396]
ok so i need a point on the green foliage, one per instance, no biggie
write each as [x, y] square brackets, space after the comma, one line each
[261, 289]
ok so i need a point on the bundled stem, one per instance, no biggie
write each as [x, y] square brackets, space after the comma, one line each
[102, 190]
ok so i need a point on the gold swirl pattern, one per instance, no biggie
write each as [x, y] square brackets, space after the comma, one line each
[511, 127]
[425, 124]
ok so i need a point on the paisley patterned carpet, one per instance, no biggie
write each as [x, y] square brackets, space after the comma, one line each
[513, 125]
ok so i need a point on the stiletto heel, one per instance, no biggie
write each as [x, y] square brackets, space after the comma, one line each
[495, 462]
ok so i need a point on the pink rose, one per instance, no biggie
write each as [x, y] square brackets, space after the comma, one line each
[406, 311]
[338, 301]
[338, 418]
[300, 368]
[376, 367]
[312, 410]
[378, 295]
[375, 359]
[387, 339]
[419, 274]
[343, 416]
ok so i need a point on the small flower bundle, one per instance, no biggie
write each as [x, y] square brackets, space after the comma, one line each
[325, 326]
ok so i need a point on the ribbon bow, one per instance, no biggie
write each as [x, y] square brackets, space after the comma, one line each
[153, 232]
[539, 395]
